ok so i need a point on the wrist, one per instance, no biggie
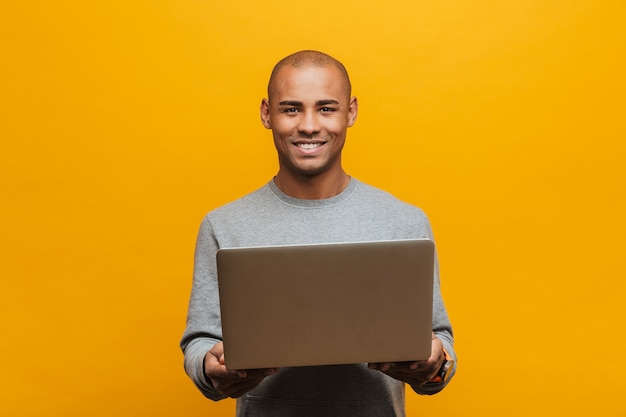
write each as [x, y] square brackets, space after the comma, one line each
[445, 371]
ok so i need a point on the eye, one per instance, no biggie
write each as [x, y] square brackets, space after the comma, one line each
[327, 109]
[290, 110]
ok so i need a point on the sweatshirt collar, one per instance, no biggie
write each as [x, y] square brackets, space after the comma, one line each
[325, 202]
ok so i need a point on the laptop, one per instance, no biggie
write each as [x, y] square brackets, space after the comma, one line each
[326, 304]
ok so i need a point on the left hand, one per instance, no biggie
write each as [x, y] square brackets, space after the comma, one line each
[415, 373]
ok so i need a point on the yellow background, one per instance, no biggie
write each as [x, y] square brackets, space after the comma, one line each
[122, 123]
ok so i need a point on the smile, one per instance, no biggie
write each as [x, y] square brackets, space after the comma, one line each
[309, 145]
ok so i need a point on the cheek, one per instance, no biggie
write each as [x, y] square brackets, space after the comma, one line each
[281, 137]
[337, 124]
[283, 128]
[281, 141]
[337, 129]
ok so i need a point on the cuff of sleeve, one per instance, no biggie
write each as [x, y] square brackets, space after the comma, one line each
[435, 386]
[194, 366]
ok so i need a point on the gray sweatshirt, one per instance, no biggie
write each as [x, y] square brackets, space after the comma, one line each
[269, 217]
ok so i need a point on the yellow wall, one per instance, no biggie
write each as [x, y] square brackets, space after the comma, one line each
[123, 122]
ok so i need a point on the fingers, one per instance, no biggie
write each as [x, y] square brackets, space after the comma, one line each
[397, 366]
[414, 372]
[237, 387]
[232, 383]
[379, 366]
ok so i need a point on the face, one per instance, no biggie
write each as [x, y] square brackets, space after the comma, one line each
[309, 111]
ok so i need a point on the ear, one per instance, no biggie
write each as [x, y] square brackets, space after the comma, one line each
[353, 110]
[265, 113]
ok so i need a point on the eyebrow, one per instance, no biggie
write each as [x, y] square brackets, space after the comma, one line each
[300, 104]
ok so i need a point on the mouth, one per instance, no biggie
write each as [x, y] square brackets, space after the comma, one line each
[309, 145]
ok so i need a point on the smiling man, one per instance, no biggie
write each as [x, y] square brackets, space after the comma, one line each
[311, 200]
[309, 111]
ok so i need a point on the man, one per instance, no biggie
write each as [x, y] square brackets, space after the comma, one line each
[311, 200]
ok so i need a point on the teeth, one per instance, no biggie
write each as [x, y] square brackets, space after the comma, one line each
[309, 145]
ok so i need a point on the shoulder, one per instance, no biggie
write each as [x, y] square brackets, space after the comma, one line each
[238, 217]
[392, 217]
[247, 203]
[377, 197]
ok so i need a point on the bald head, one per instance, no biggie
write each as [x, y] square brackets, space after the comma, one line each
[308, 58]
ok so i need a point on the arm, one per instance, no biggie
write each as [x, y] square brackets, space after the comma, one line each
[201, 342]
[228, 382]
[418, 373]
[442, 329]
[204, 327]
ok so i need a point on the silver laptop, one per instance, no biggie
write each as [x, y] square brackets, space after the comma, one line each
[326, 304]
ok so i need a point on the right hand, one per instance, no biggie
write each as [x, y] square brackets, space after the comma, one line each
[232, 383]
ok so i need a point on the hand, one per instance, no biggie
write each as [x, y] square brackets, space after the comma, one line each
[232, 383]
[415, 373]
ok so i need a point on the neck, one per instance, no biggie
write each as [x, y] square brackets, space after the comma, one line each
[312, 187]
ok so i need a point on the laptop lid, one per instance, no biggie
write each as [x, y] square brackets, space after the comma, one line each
[326, 304]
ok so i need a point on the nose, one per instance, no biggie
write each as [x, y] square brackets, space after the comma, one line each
[309, 123]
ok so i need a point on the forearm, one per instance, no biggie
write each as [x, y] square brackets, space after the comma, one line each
[203, 329]
[447, 340]
[442, 329]
[195, 352]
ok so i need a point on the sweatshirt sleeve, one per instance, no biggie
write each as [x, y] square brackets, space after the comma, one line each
[204, 328]
[443, 330]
